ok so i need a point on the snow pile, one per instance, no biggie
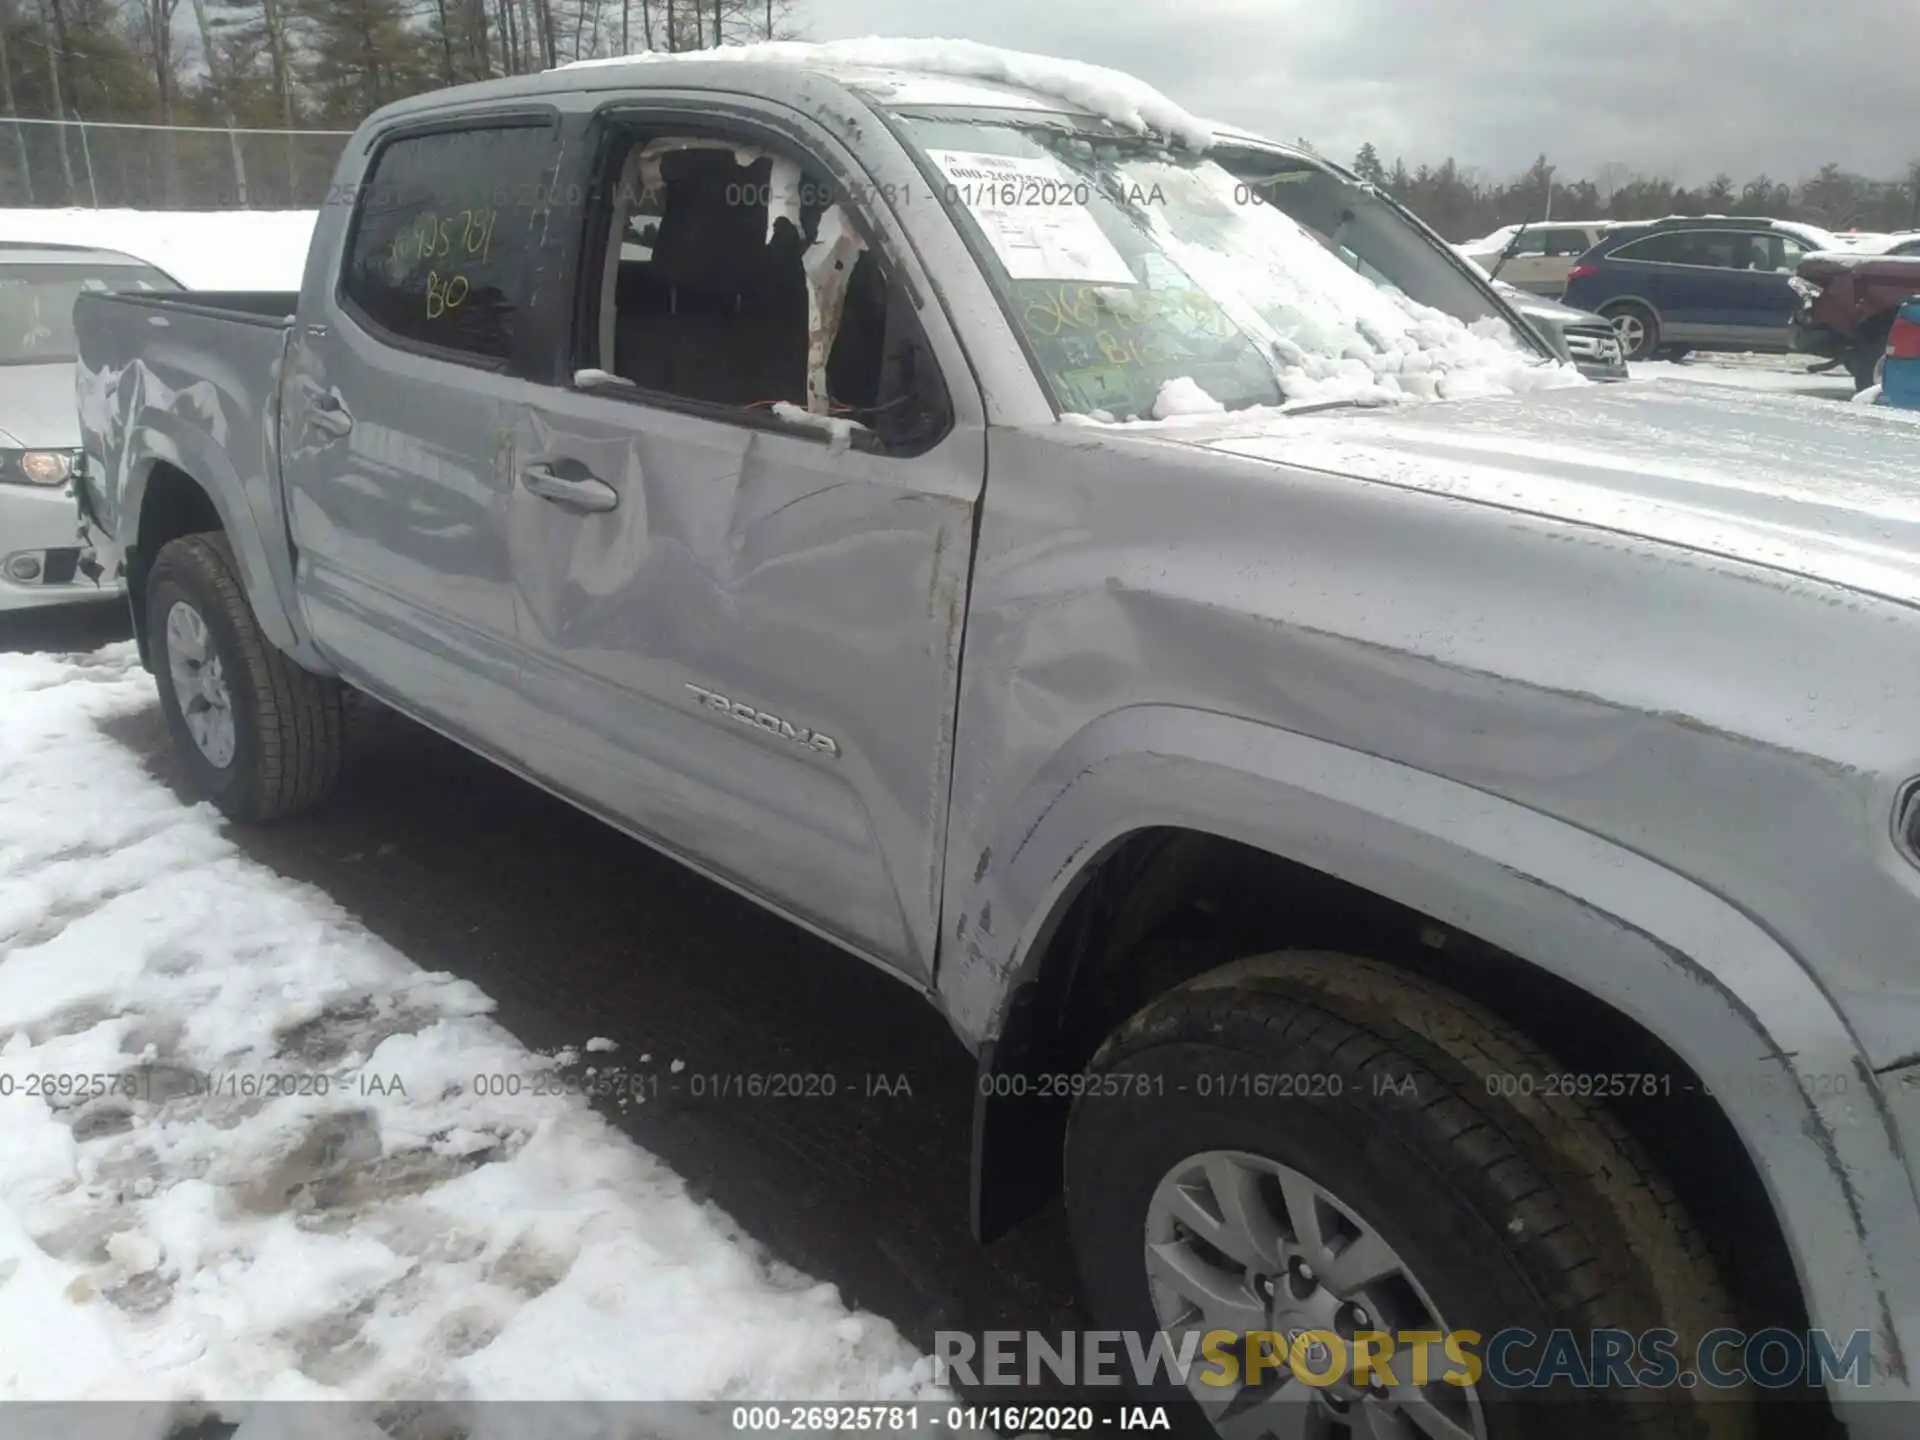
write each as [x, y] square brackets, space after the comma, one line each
[1869, 396]
[1110, 94]
[202, 249]
[278, 1161]
[1334, 334]
[1182, 395]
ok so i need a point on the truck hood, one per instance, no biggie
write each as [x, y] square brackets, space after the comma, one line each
[37, 407]
[1800, 485]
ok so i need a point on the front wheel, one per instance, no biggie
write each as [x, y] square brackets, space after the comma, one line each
[1318, 1149]
[261, 737]
[1638, 329]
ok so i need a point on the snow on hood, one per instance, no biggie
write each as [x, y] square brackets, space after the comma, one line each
[1336, 335]
[1794, 484]
[1110, 94]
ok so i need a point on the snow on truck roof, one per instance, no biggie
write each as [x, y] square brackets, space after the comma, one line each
[958, 72]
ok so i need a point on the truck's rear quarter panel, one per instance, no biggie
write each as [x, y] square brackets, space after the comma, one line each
[189, 383]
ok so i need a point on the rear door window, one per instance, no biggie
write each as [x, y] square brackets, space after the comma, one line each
[1660, 249]
[1566, 242]
[1787, 252]
[444, 226]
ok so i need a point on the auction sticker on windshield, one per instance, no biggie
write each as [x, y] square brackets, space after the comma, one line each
[1034, 215]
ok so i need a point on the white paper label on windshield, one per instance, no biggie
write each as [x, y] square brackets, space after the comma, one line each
[1035, 217]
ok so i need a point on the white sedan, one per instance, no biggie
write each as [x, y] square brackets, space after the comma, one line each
[39, 429]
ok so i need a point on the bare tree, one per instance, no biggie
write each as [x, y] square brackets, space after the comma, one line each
[482, 46]
[6, 95]
[223, 97]
[446, 41]
[155, 19]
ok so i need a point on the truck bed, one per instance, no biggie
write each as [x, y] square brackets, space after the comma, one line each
[193, 378]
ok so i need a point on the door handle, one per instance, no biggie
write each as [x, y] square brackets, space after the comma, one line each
[329, 415]
[586, 493]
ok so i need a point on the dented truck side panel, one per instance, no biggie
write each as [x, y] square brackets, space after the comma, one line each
[815, 589]
[196, 391]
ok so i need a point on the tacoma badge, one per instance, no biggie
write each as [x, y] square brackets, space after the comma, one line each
[772, 724]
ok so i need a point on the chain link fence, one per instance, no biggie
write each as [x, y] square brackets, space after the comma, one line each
[164, 167]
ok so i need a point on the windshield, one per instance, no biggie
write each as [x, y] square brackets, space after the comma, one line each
[1148, 282]
[36, 306]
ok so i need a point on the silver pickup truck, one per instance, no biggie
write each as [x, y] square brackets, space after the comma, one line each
[1418, 842]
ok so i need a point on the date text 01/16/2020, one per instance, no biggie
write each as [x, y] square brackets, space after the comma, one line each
[249, 1085]
[890, 1419]
[145, 1084]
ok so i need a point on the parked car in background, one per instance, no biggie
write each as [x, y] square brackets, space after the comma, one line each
[1535, 257]
[1847, 301]
[1900, 366]
[39, 432]
[1696, 283]
[1876, 242]
[1584, 340]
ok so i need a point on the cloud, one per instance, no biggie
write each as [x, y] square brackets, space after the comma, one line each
[1681, 88]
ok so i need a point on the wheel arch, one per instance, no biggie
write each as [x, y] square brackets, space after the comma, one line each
[177, 476]
[1639, 301]
[1544, 904]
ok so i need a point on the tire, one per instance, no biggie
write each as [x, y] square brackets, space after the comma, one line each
[284, 749]
[1529, 1209]
[1638, 329]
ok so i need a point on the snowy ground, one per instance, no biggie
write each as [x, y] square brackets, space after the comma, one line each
[202, 249]
[272, 1164]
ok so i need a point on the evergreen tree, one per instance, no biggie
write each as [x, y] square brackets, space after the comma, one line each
[1368, 167]
[357, 55]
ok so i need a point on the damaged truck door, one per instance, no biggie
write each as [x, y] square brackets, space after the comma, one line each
[784, 519]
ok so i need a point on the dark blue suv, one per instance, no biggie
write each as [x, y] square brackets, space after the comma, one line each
[1705, 283]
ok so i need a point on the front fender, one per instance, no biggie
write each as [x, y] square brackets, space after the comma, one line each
[1686, 965]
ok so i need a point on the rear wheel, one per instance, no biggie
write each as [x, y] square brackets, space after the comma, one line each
[1316, 1146]
[260, 736]
[1637, 327]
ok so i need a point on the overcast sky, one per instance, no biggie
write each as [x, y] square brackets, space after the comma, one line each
[1682, 88]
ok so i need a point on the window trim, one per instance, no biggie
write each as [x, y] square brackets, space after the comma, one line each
[519, 117]
[659, 118]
